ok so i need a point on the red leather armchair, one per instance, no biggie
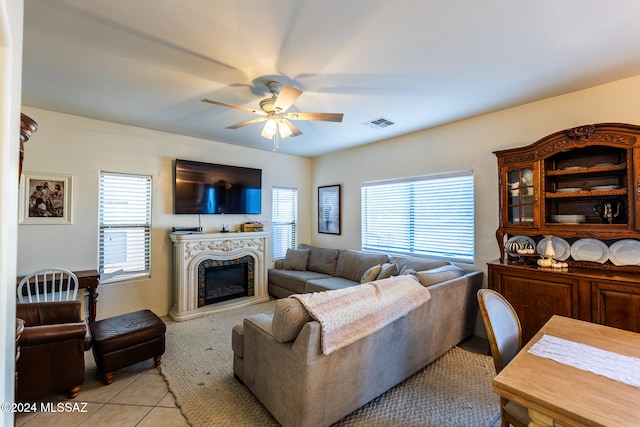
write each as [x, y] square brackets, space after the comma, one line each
[52, 348]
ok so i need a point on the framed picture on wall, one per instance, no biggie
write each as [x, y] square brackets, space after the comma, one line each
[329, 209]
[45, 198]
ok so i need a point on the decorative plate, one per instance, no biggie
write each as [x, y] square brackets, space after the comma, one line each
[514, 243]
[625, 252]
[590, 250]
[560, 246]
[568, 219]
[605, 187]
[568, 190]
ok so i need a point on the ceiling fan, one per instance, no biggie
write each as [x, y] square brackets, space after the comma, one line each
[274, 113]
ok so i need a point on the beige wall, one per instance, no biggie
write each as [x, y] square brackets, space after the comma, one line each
[83, 147]
[465, 145]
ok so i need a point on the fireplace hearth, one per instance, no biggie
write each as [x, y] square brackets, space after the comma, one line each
[217, 271]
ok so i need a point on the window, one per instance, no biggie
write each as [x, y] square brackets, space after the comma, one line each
[421, 216]
[125, 226]
[283, 220]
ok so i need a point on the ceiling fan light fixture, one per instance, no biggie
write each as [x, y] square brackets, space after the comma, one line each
[273, 111]
[284, 130]
[270, 129]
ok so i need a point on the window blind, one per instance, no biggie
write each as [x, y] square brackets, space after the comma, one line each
[125, 226]
[430, 216]
[283, 220]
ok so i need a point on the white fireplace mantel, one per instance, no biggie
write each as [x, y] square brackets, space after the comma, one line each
[189, 250]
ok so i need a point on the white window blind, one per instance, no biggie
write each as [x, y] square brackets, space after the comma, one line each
[283, 220]
[125, 226]
[429, 216]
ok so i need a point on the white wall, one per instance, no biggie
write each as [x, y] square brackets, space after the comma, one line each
[11, 14]
[465, 145]
[83, 147]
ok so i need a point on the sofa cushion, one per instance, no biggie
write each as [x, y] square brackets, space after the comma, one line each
[418, 264]
[352, 264]
[387, 270]
[406, 270]
[321, 260]
[296, 259]
[437, 275]
[288, 319]
[327, 284]
[371, 274]
[292, 279]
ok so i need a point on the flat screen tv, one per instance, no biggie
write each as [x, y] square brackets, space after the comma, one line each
[207, 188]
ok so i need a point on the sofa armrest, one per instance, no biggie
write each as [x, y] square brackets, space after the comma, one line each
[49, 313]
[278, 264]
[262, 321]
[46, 334]
[307, 343]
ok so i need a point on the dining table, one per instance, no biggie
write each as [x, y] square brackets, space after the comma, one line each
[576, 373]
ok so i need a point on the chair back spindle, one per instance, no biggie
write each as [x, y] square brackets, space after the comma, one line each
[49, 285]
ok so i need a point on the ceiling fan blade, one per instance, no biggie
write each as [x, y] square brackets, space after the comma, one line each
[247, 122]
[324, 117]
[294, 130]
[224, 104]
[286, 97]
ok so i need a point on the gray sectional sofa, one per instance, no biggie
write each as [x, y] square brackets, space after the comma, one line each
[313, 269]
[279, 356]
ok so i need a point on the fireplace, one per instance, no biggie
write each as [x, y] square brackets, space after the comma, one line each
[217, 271]
[223, 280]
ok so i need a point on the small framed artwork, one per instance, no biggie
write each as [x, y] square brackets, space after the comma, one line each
[329, 209]
[45, 198]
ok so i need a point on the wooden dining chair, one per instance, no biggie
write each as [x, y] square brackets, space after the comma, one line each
[505, 341]
[48, 285]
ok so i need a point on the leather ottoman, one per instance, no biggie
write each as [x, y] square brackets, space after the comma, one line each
[120, 341]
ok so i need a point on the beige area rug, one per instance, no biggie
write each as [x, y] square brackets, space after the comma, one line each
[455, 390]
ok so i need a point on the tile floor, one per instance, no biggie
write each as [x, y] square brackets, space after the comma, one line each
[138, 397]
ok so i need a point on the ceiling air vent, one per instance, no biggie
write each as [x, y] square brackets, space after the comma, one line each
[379, 123]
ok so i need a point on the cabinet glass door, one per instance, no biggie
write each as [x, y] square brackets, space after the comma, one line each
[521, 196]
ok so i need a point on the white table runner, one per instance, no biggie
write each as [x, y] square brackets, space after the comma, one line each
[612, 365]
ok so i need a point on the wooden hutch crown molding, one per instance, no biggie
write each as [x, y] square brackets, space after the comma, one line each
[581, 136]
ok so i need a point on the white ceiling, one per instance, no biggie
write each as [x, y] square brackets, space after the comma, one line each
[418, 63]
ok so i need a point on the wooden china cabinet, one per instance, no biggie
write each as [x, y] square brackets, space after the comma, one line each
[582, 186]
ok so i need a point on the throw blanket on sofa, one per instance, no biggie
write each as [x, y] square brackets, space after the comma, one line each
[346, 315]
